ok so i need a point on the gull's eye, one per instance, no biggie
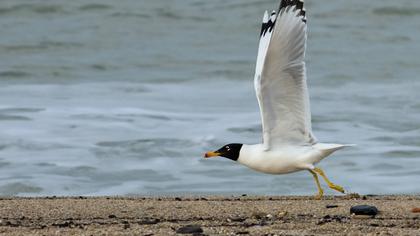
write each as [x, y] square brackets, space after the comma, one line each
[228, 148]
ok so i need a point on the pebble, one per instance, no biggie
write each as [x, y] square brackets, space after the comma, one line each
[334, 218]
[242, 232]
[416, 210]
[259, 215]
[149, 221]
[236, 219]
[282, 214]
[331, 206]
[353, 195]
[364, 210]
[190, 229]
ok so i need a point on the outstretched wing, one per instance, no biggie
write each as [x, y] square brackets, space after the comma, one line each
[280, 79]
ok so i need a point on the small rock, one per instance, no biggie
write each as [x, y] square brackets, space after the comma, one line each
[178, 199]
[325, 219]
[328, 218]
[259, 215]
[353, 195]
[242, 232]
[364, 210]
[112, 216]
[66, 224]
[331, 206]
[236, 219]
[416, 210]
[190, 229]
[282, 214]
[149, 221]
[244, 195]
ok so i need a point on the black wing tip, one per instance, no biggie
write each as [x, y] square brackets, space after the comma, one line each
[269, 25]
[298, 3]
[299, 6]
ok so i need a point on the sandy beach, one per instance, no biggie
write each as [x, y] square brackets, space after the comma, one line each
[241, 215]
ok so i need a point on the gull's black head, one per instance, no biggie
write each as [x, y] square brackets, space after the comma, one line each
[230, 151]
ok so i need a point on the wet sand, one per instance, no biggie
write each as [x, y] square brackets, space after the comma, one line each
[242, 215]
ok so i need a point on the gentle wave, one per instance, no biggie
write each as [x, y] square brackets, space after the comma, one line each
[95, 7]
[15, 74]
[44, 9]
[146, 148]
[34, 8]
[397, 11]
[16, 188]
[44, 45]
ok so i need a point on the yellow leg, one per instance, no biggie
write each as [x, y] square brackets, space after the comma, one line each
[330, 184]
[320, 191]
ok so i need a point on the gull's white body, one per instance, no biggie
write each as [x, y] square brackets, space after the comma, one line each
[280, 84]
[286, 159]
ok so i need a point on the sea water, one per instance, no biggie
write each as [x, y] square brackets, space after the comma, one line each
[124, 97]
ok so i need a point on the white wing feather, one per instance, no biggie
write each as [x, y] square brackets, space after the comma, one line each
[280, 82]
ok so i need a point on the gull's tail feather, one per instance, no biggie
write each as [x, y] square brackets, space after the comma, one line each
[329, 148]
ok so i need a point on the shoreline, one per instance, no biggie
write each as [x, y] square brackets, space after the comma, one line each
[211, 215]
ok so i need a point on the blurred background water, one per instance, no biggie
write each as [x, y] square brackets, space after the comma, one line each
[124, 97]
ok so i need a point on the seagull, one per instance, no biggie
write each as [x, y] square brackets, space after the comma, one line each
[288, 143]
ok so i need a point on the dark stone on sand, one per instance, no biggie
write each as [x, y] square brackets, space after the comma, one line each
[242, 232]
[149, 221]
[237, 219]
[259, 215]
[325, 219]
[126, 225]
[112, 216]
[364, 210]
[65, 224]
[190, 229]
[334, 218]
[331, 206]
